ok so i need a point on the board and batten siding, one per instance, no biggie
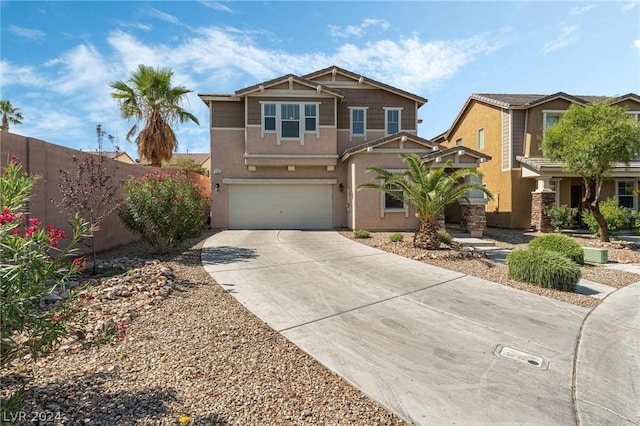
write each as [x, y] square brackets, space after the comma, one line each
[506, 154]
[517, 135]
[227, 114]
[375, 100]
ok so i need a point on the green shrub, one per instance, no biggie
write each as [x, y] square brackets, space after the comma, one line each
[164, 209]
[361, 233]
[444, 237]
[562, 217]
[560, 244]
[616, 217]
[396, 238]
[544, 268]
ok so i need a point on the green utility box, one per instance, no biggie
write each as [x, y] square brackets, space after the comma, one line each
[595, 255]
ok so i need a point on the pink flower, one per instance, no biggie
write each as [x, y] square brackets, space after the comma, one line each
[14, 160]
[15, 231]
[90, 297]
[78, 262]
[34, 222]
[29, 231]
[56, 317]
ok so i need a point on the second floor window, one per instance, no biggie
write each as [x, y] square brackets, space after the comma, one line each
[480, 138]
[269, 116]
[289, 120]
[392, 121]
[357, 121]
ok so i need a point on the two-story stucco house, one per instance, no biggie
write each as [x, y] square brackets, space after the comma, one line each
[290, 153]
[509, 128]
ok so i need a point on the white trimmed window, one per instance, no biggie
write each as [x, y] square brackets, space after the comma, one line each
[480, 139]
[358, 121]
[625, 192]
[393, 202]
[269, 117]
[459, 142]
[290, 120]
[550, 117]
[392, 117]
[554, 185]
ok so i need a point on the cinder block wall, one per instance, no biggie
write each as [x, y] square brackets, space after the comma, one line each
[45, 160]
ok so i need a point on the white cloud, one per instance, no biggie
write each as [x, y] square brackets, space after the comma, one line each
[566, 37]
[135, 25]
[630, 5]
[579, 10]
[216, 5]
[19, 75]
[163, 16]
[357, 30]
[637, 43]
[29, 33]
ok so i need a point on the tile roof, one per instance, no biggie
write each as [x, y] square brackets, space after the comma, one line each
[539, 163]
[441, 153]
[529, 100]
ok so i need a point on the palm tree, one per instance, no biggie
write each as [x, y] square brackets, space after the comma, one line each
[150, 97]
[9, 115]
[427, 191]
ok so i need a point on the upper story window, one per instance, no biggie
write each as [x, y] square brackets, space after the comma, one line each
[310, 117]
[269, 111]
[358, 121]
[392, 120]
[549, 118]
[290, 120]
[480, 138]
[290, 116]
[459, 142]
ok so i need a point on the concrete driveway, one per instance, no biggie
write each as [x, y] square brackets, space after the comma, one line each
[435, 346]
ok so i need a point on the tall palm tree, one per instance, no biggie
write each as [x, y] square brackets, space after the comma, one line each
[10, 114]
[427, 191]
[149, 96]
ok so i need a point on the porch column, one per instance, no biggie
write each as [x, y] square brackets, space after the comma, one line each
[439, 221]
[473, 217]
[542, 197]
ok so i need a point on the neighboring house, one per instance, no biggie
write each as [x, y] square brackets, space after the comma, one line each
[290, 153]
[509, 128]
[201, 159]
[121, 156]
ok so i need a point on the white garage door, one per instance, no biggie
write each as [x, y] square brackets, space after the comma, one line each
[280, 206]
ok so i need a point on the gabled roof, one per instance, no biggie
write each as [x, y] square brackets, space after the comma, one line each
[454, 149]
[289, 78]
[198, 158]
[369, 81]
[381, 141]
[526, 101]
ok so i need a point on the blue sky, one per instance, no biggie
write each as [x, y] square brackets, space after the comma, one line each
[58, 58]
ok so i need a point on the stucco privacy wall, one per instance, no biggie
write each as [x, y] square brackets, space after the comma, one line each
[44, 160]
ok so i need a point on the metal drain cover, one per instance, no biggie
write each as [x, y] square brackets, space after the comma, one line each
[522, 357]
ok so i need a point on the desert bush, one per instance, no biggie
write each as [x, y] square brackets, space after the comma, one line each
[544, 268]
[560, 244]
[165, 209]
[396, 238]
[562, 217]
[361, 233]
[444, 237]
[33, 264]
[616, 217]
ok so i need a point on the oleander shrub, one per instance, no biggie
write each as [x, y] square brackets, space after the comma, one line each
[165, 209]
[396, 238]
[444, 237]
[544, 268]
[362, 233]
[617, 217]
[562, 217]
[560, 244]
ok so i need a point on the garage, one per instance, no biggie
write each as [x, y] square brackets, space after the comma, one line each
[280, 206]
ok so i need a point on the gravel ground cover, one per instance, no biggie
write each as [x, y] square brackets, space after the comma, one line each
[478, 265]
[190, 349]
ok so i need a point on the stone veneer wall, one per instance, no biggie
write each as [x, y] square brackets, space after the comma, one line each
[473, 219]
[539, 200]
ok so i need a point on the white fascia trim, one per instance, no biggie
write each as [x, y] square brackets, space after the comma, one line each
[290, 156]
[292, 94]
[510, 141]
[240, 181]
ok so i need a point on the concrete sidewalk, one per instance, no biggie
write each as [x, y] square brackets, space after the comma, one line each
[435, 346]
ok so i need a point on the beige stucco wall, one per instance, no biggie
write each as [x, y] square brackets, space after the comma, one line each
[535, 125]
[44, 160]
